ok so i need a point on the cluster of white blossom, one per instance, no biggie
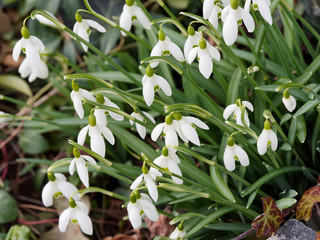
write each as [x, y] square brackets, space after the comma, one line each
[175, 125]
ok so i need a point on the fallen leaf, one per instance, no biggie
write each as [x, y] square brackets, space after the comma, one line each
[271, 219]
[307, 202]
[318, 236]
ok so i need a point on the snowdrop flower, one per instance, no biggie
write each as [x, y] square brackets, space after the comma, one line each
[236, 110]
[81, 27]
[141, 129]
[234, 152]
[165, 47]
[77, 213]
[96, 129]
[263, 6]
[168, 127]
[232, 15]
[267, 138]
[43, 20]
[149, 178]
[289, 101]
[212, 12]
[106, 101]
[186, 128]
[79, 162]
[151, 83]
[178, 233]
[77, 96]
[130, 12]
[141, 202]
[205, 54]
[191, 42]
[56, 187]
[41, 71]
[169, 160]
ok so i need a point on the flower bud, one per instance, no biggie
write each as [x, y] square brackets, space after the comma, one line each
[230, 141]
[133, 198]
[100, 98]
[149, 71]
[129, 2]
[202, 43]
[267, 125]
[238, 102]
[177, 116]
[75, 86]
[25, 32]
[51, 176]
[72, 203]
[165, 151]
[168, 120]
[234, 4]
[144, 169]
[78, 17]
[76, 152]
[92, 120]
[161, 35]
[191, 30]
[286, 94]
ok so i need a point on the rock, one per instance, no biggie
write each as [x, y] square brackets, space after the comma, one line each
[294, 230]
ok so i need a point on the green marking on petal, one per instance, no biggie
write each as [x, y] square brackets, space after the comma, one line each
[57, 195]
[166, 53]
[74, 221]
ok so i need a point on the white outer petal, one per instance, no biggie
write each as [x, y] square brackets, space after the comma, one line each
[151, 185]
[149, 116]
[136, 182]
[89, 159]
[264, 10]
[134, 214]
[228, 159]
[46, 194]
[176, 51]
[77, 103]
[164, 85]
[148, 91]
[66, 188]
[262, 142]
[192, 55]
[142, 18]
[64, 220]
[97, 144]
[290, 103]
[72, 166]
[171, 138]
[207, 8]
[16, 50]
[248, 20]
[125, 21]
[95, 25]
[274, 140]
[230, 28]
[248, 105]
[205, 65]
[156, 51]
[149, 209]
[190, 132]
[197, 122]
[108, 135]
[242, 155]
[84, 222]
[141, 130]
[83, 172]
[229, 110]
[82, 135]
[157, 131]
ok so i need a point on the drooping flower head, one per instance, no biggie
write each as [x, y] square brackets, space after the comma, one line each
[233, 15]
[55, 188]
[77, 96]
[141, 203]
[81, 27]
[267, 138]
[263, 6]
[178, 232]
[169, 160]
[212, 12]
[149, 178]
[79, 162]
[106, 101]
[191, 42]
[289, 101]
[205, 53]
[32, 66]
[152, 83]
[77, 213]
[96, 129]
[236, 110]
[232, 153]
[165, 47]
[142, 131]
[132, 11]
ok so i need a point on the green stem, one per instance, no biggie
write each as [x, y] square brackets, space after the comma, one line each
[103, 191]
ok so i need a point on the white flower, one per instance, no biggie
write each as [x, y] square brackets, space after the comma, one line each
[211, 11]
[130, 12]
[165, 47]
[289, 101]
[234, 152]
[267, 138]
[177, 234]
[106, 101]
[96, 129]
[141, 202]
[149, 178]
[77, 96]
[169, 130]
[152, 82]
[187, 128]
[56, 187]
[79, 162]
[141, 129]
[236, 110]
[169, 160]
[81, 27]
[77, 213]
[184, 126]
[263, 6]
[39, 71]
[232, 15]
[205, 54]
[191, 42]
[46, 21]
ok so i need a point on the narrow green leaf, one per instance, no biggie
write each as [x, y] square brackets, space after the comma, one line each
[162, 59]
[307, 107]
[301, 129]
[233, 89]
[284, 203]
[186, 216]
[314, 139]
[270, 176]
[15, 83]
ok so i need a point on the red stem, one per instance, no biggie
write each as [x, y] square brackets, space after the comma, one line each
[246, 233]
[38, 222]
[5, 161]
